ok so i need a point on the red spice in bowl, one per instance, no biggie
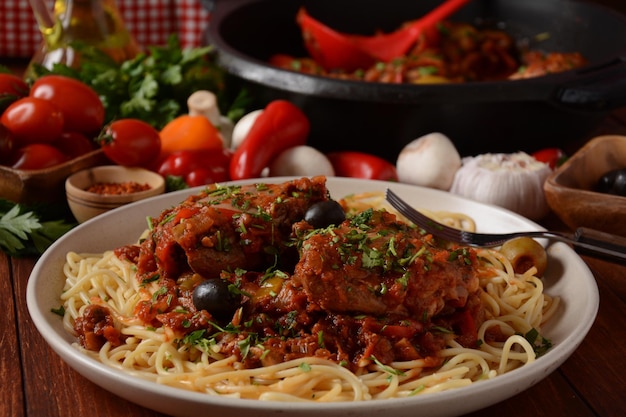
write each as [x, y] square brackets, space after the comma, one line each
[118, 188]
[96, 190]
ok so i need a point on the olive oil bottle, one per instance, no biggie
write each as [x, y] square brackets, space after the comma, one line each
[93, 22]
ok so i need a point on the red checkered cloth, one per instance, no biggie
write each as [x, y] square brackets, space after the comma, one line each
[151, 22]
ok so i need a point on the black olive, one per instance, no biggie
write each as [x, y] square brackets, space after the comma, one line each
[214, 296]
[613, 182]
[324, 214]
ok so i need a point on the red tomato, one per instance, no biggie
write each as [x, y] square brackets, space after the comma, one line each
[204, 176]
[37, 156]
[12, 87]
[33, 120]
[131, 142]
[554, 157]
[362, 165]
[6, 143]
[81, 107]
[199, 167]
[73, 144]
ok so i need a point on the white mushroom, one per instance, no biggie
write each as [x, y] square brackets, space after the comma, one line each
[429, 161]
[242, 127]
[204, 103]
[513, 181]
[301, 161]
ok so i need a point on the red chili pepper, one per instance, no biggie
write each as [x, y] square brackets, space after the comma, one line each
[280, 126]
[554, 157]
[362, 165]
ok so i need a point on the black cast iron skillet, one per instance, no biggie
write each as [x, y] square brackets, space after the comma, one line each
[503, 116]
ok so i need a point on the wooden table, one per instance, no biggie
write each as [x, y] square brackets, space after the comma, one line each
[592, 382]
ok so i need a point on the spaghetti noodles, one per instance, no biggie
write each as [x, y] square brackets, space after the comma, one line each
[515, 308]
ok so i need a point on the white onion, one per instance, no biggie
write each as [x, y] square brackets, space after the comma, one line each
[513, 181]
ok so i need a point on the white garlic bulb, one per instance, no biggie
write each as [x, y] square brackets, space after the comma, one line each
[429, 161]
[512, 181]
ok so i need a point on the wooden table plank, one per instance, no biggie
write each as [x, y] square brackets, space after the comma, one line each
[11, 394]
[553, 396]
[600, 358]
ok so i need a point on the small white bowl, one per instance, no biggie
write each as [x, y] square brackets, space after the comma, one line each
[85, 204]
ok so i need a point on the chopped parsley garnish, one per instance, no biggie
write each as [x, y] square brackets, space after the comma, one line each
[539, 343]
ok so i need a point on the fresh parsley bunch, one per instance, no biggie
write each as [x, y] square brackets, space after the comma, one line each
[153, 86]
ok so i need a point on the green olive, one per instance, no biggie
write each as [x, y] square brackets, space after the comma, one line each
[524, 253]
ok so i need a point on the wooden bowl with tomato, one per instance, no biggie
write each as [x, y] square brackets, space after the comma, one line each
[45, 185]
[589, 189]
[46, 134]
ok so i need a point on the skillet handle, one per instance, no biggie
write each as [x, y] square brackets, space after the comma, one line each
[600, 245]
[598, 88]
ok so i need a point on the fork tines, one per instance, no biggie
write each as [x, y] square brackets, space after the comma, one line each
[423, 221]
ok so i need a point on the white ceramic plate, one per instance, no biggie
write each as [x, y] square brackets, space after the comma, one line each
[567, 277]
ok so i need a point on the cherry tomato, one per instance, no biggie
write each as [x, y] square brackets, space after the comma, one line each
[199, 167]
[131, 142]
[362, 165]
[12, 84]
[33, 120]
[554, 157]
[12, 87]
[6, 143]
[37, 156]
[81, 107]
[73, 144]
[204, 176]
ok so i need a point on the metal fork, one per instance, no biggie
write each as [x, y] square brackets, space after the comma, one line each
[585, 241]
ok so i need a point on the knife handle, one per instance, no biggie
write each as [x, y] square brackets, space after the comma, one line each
[600, 244]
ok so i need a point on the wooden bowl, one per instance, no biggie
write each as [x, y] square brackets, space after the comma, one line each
[570, 189]
[85, 204]
[44, 185]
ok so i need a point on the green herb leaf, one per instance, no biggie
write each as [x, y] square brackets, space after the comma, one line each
[22, 232]
[540, 344]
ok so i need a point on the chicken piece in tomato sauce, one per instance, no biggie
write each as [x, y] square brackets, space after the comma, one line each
[374, 264]
[228, 227]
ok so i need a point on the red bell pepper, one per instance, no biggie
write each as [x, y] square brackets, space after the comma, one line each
[197, 167]
[280, 126]
[362, 165]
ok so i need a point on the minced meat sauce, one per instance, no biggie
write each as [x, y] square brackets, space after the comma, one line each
[371, 287]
